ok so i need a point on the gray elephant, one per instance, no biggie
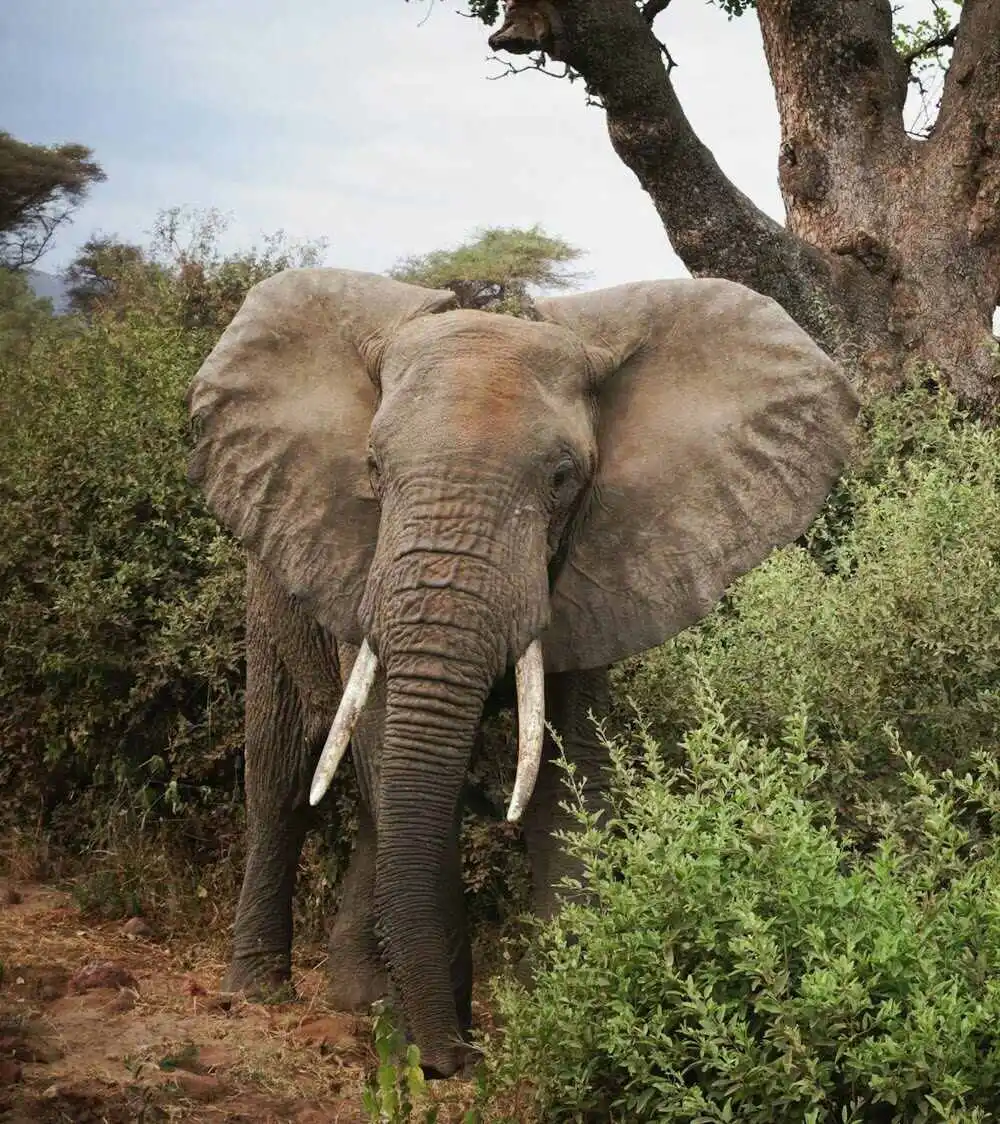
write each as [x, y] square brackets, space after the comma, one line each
[431, 497]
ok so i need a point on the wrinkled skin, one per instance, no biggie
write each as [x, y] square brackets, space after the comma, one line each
[451, 486]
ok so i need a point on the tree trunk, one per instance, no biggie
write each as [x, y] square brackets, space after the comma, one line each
[890, 256]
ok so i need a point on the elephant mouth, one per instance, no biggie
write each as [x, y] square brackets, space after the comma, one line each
[529, 675]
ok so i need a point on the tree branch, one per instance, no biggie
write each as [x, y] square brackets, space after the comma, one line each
[652, 8]
[946, 39]
[536, 65]
[972, 80]
[835, 70]
[967, 132]
[713, 226]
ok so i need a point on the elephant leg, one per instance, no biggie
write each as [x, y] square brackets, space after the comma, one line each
[357, 975]
[278, 753]
[571, 695]
[291, 696]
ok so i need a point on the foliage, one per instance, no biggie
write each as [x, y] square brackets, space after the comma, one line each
[736, 960]
[40, 188]
[120, 611]
[398, 1084]
[882, 624]
[496, 269]
[399, 1080]
[183, 268]
[23, 316]
[924, 39]
[107, 273]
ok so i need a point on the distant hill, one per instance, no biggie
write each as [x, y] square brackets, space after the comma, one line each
[48, 285]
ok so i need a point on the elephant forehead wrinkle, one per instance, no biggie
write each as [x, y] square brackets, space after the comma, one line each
[483, 347]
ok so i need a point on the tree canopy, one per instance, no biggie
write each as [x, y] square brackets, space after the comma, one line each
[40, 188]
[495, 270]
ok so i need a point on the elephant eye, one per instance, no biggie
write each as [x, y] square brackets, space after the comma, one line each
[374, 472]
[565, 472]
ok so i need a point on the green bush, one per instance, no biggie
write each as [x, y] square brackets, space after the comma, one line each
[884, 624]
[738, 961]
[120, 596]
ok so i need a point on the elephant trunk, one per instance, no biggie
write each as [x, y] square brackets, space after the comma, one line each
[431, 723]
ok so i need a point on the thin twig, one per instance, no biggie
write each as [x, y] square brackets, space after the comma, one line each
[537, 65]
[945, 39]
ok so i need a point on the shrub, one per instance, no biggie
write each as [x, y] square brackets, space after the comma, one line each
[882, 624]
[120, 596]
[736, 960]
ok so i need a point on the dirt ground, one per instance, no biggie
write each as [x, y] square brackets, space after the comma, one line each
[104, 1023]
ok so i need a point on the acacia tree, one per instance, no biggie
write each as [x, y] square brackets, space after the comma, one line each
[496, 269]
[40, 188]
[890, 253]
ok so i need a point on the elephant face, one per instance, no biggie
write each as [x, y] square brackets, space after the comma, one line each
[479, 451]
[461, 491]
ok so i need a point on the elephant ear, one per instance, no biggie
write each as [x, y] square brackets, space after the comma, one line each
[721, 428]
[282, 408]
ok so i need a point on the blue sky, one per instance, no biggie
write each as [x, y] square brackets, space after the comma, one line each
[372, 125]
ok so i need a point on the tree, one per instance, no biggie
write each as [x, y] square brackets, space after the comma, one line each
[105, 274]
[40, 188]
[890, 254]
[495, 271]
[23, 316]
[183, 271]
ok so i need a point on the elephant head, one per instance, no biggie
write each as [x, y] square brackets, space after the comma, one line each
[460, 492]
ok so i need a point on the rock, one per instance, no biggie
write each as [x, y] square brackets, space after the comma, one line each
[137, 927]
[102, 973]
[30, 982]
[213, 1003]
[22, 1049]
[329, 1034]
[216, 1057]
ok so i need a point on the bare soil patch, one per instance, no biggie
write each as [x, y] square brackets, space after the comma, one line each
[104, 1023]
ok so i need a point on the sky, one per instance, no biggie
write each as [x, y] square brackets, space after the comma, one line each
[373, 125]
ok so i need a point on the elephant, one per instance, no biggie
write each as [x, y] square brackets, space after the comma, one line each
[443, 508]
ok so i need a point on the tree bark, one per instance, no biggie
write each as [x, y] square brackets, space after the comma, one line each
[890, 256]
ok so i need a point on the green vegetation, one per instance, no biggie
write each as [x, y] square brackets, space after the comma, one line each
[495, 270]
[40, 188]
[120, 597]
[794, 909]
[739, 961]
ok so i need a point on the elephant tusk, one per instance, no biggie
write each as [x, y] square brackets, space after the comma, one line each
[359, 684]
[530, 677]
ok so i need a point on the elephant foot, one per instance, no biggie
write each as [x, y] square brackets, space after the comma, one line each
[355, 987]
[357, 978]
[259, 982]
[458, 1061]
